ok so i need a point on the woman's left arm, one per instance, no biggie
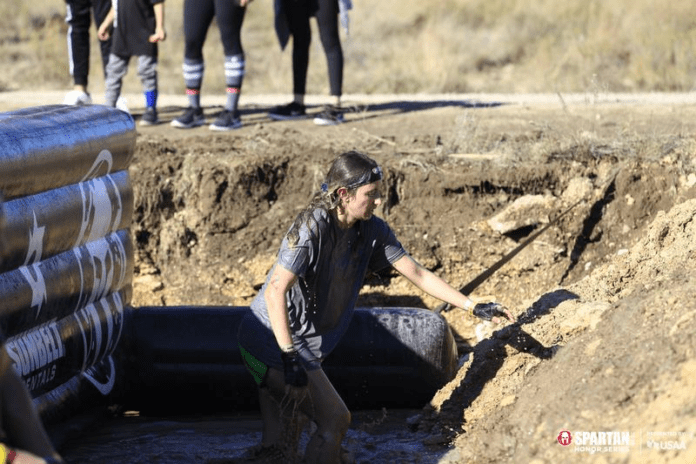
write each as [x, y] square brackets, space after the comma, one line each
[435, 286]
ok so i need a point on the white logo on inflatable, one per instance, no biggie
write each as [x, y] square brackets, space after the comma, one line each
[99, 214]
[103, 387]
[36, 349]
[35, 248]
[32, 272]
[104, 256]
[36, 281]
[98, 344]
[103, 158]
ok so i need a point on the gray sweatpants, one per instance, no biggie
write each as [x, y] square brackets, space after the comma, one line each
[118, 67]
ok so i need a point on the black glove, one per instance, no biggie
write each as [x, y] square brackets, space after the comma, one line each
[488, 311]
[293, 369]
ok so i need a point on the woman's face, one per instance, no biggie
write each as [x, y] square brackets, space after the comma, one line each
[362, 205]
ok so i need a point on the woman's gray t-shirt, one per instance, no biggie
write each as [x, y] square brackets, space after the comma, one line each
[331, 264]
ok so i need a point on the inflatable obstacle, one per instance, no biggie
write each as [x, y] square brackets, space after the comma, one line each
[66, 276]
[66, 264]
[187, 358]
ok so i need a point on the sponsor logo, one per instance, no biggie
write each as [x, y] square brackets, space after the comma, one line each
[666, 445]
[102, 381]
[98, 344]
[35, 353]
[90, 334]
[102, 208]
[657, 440]
[35, 248]
[36, 281]
[99, 262]
[103, 159]
[102, 266]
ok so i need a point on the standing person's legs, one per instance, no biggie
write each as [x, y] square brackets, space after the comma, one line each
[147, 71]
[198, 15]
[230, 17]
[327, 20]
[100, 9]
[282, 426]
[115, 70]
[297, 13]
[78, 18]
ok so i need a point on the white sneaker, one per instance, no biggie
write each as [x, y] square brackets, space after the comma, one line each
[121, 105]
[77, 97]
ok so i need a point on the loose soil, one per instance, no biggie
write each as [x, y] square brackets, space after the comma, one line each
[605, 298]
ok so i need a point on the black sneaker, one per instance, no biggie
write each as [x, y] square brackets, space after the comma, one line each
[192, 117]
[288, 112]
[149, 117]
[330, 116]
[227, 120]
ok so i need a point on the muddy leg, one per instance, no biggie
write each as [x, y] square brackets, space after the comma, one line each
[324, 406]
[331, 416]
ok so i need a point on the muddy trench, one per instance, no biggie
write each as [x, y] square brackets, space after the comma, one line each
[209, 217]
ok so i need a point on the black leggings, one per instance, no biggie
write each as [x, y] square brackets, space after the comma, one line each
[79, 19]
[326, 11]
[198, 15]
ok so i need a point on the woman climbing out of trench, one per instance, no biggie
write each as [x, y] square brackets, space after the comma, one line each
[306, 304]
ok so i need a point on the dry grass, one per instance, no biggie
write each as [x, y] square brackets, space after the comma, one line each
[398, 46]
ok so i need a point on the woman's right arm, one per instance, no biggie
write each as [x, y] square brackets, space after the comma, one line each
[280, 282]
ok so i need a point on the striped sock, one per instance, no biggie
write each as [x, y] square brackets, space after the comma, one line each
[194, 97]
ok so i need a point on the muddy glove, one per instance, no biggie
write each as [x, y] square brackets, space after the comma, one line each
[295, 373]
[488, 311]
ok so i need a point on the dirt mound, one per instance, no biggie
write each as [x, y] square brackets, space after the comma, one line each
[605, 297]
[624, 347]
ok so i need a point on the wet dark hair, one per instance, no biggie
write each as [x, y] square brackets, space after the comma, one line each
[350, 170]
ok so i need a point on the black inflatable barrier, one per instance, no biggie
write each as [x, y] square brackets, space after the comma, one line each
[187, 358]
[61, 145]
[30, 110]
[394, 357]
[58, 286]
[86, 391]
[50, 354]
[67, 265]
[43, 225]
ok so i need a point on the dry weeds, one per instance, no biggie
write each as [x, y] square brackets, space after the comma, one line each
[402, 46]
